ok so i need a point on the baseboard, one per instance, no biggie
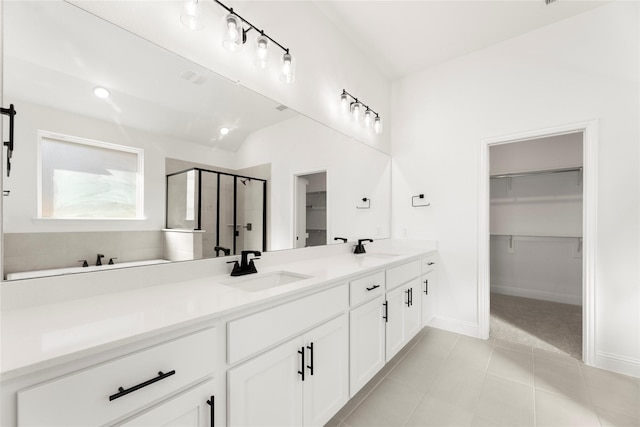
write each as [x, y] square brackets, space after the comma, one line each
[535, 294]
[620, 364]
[458, 326]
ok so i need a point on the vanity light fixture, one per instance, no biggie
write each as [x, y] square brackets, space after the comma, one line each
[361, 111]
[191, 14]
[236, 30]
[101, 92]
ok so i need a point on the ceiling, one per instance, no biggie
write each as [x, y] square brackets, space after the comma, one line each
[402, 37]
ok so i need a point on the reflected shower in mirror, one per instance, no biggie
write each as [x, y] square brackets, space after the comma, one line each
[171, 110]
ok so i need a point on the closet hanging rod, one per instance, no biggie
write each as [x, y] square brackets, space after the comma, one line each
[537, 236]
[539, 172]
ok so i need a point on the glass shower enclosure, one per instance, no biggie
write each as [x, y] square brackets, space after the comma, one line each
[230, 210]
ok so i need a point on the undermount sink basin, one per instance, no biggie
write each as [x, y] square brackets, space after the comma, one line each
[260, 282]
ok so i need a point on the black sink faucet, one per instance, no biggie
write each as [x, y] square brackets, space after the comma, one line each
[344, 239]
[225, 251]
[359, 248]
[246, 266]
[99, 259]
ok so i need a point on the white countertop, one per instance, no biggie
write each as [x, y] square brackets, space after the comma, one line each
[46, 335]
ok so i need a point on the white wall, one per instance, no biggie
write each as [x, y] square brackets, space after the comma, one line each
[354, 171]
[579, 69]
[326, 61]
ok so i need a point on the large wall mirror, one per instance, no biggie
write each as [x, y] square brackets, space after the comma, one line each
[89, 174]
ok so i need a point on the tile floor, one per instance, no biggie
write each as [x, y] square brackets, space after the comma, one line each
[446, 379]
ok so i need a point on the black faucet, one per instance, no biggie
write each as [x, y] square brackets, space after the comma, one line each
[359, 248]
[246, 266]
[226, 251]
[99, 259]
[341, 238]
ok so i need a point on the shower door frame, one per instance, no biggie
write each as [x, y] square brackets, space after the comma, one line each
[235, 203]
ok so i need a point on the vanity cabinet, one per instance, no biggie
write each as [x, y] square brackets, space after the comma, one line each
[302, 382]
[402, 315]
[193, 408]
[428, 281]
[109, 392]
[367, 329]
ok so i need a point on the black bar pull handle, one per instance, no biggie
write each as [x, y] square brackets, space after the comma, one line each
[426, 287]
[301, 353]
[310, 365]
[386, 311]
[408, 297]
[123, 392]
[211, 403]
[373, 287]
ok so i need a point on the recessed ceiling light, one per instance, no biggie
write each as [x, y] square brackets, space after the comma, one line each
[101, 92]
[224, 131]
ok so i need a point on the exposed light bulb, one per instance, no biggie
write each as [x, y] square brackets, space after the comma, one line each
[344, 101]
[101, 92]
[190, 15]
[356, 110]
[377, 125]
[262, 51]
[234, 33]
[288, 68]
[368, 117]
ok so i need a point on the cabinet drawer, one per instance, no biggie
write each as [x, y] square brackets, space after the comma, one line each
[401, 274]
[366, 288]
[249, 335]
[428, 263]
[92, 396]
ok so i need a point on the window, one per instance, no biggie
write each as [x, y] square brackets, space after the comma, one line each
[85, 179]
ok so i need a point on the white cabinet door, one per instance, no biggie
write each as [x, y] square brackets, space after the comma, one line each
[367, 344]
[395, 329]
[428, 290]
[189, 409]
[266, 390]
[413, 311]
[326, 382]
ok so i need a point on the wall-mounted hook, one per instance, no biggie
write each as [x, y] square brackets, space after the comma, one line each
[11, 112]
[367, 201]
[413, 201]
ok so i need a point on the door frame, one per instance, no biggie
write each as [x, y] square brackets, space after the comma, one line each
[589, 130]
[297, 175]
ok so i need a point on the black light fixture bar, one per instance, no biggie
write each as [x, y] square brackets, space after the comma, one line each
[11, 112]
[344, 92]
[251, 26]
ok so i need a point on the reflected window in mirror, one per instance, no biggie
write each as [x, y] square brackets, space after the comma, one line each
[81, 178]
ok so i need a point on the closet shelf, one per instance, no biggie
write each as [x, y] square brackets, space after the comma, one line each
[537, 236]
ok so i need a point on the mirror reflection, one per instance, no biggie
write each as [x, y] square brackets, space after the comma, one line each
[218, 168]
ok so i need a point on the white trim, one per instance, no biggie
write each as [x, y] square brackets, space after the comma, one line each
[454, 325]
[613, 362]
[590, 142]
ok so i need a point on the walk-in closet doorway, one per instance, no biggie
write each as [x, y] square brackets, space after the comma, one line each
[537, 238]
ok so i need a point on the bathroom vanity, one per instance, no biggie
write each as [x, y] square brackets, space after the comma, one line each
[286, 346]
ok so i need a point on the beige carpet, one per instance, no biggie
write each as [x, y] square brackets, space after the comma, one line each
[540, 324]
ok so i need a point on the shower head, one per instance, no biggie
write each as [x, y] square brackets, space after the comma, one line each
[244, 181]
